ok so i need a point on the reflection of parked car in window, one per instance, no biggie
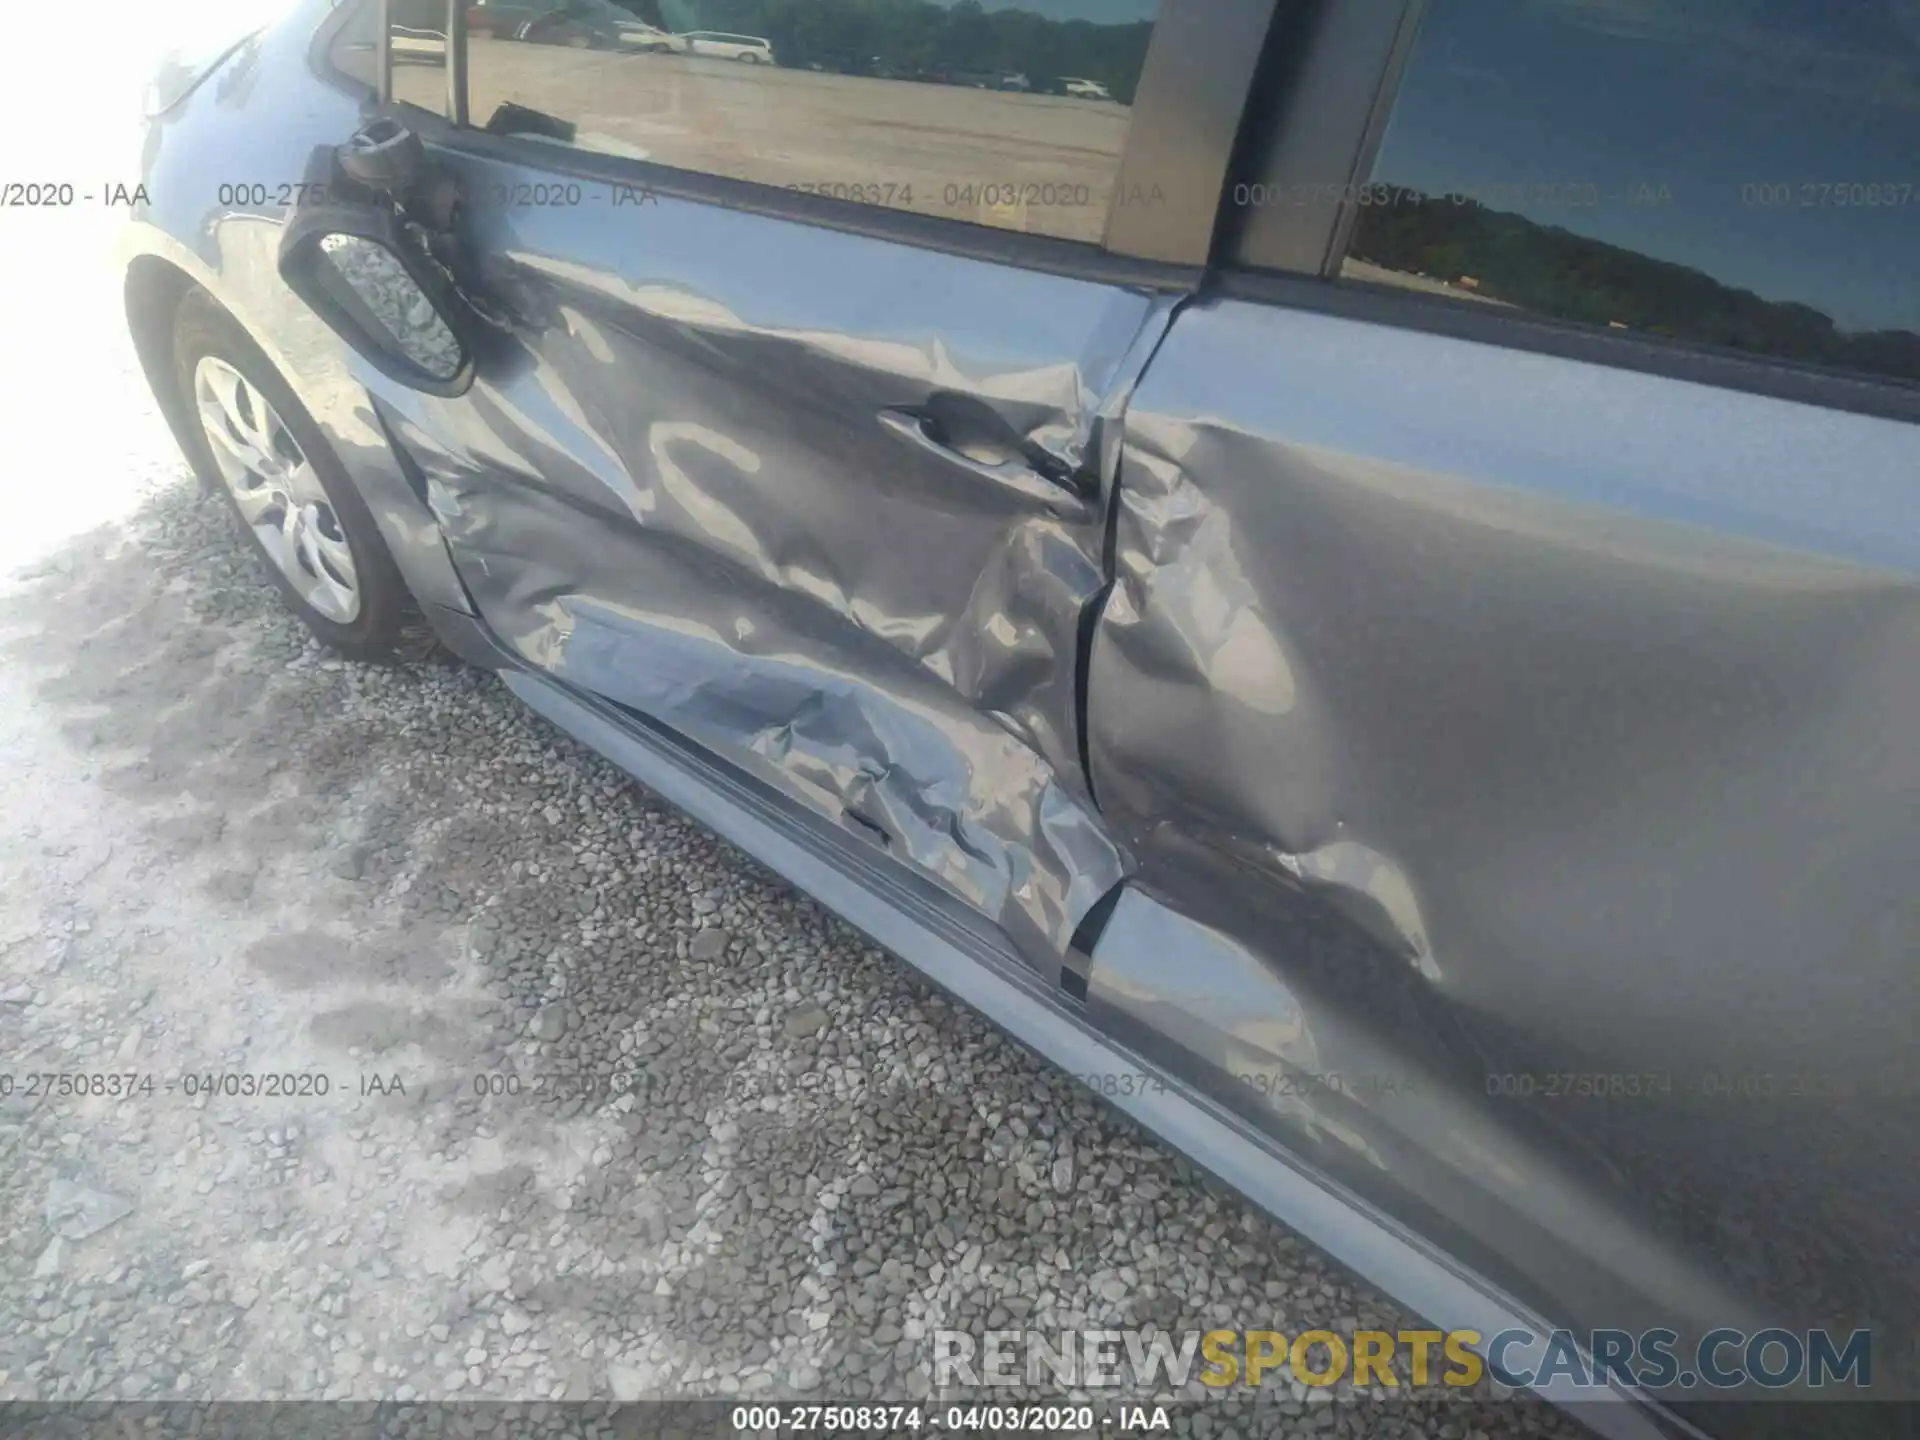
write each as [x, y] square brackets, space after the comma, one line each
[581, 24]
[419, 47]
[844, 65]
[982, 79]
[1084, 89]
[712, 43]
[419, 30]
[648, 39]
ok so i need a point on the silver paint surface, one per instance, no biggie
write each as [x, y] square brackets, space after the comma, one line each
[1455, 713]
[254, 122]
[696, 490]
[1581, 708]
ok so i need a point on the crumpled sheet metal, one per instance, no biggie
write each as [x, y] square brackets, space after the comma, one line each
[1202, 710]
[962, 801]
[756, 437]
[1020, 338]
[740, 549]
[1368, 1114]
[872, 739]
[1592, 697]
[1546, 704]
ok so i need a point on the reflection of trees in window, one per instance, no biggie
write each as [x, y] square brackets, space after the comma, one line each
[1555, 272]
[918, 40]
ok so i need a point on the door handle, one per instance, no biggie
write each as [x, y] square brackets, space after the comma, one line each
[1058, 489]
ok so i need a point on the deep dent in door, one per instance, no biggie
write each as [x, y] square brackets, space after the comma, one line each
[1584, 701]
[687, 556]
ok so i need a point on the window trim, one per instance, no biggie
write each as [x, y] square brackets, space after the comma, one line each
[1332, 77]
[457, 62]
[1385, 93]
[1189, 105]
[383, 55]
[1194, 87]
[1295, 262]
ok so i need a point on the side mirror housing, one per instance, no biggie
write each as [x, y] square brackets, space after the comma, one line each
[383, 155]
[377, 287]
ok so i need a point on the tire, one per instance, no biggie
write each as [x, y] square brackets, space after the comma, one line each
[387, 625]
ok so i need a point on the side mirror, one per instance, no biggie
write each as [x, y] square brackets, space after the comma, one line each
[377, 287]
[383, 155]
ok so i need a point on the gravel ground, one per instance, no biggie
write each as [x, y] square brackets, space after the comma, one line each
[226, 852]
[230, 853]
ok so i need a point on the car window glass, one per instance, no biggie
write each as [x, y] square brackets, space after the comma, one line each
[418, 30]
[1012, 116]
[419, 44]
[1743, 173]
[352, 50]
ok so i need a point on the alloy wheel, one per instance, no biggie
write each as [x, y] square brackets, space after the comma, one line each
[278, 494]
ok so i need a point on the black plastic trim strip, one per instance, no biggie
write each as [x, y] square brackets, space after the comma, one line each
[456, 62]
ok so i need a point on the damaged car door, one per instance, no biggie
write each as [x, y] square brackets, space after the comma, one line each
[1510, 690]
[765, 455]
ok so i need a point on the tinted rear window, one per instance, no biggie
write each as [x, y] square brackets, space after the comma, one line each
[1742, 173]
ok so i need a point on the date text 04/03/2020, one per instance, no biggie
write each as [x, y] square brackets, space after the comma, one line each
[892, 1419]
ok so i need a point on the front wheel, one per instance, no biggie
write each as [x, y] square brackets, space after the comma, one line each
[256, 444]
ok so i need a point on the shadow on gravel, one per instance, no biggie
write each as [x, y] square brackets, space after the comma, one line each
[671, 1112]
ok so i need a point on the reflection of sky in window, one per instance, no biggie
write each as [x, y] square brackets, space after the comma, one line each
[1704, 97]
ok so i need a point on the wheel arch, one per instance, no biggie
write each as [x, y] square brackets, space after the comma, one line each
[153, 290]
[159, 274]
